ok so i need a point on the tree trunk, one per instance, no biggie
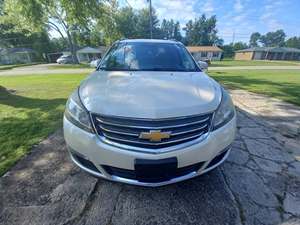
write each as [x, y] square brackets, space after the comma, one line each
[72, 48]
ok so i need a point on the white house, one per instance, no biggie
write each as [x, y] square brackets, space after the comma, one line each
[17, 55]
[205, 52]
[88, 54]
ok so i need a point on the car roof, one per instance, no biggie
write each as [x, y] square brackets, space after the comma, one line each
[148, 41]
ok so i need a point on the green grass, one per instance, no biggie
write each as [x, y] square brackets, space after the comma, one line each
[9, 67]
[227, 63]
[70, 66]
[31, 108]
[281, 84]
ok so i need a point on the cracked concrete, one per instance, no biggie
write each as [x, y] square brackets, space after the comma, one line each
[259, 184]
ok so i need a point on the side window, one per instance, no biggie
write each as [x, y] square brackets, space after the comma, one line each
[187, 61]
[114, 58]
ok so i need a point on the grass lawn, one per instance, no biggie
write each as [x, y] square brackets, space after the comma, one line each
[227, 62]
[281, 84]
[31, 108]
[9, 67]
[70, 66]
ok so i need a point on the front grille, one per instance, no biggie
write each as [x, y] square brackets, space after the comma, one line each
[127, 131]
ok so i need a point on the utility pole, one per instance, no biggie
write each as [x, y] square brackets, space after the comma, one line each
[150, 15]
[233, 37]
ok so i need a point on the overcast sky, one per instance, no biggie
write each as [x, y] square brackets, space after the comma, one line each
[241, 17]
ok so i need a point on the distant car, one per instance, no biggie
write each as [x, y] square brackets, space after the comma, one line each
[65, 59]
[203, 65]
[94, 63]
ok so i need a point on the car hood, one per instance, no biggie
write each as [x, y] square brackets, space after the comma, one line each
[149, 94]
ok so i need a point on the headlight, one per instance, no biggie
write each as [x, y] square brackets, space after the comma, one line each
[225, 111]
[77, 114]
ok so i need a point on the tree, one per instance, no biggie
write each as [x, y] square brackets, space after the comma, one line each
[58, 44]
[58, 15]
[1, 7]
[201, 31]
[254, 38]
[239, 46]
[107, 25]
[170, 30]
[39, 41]
[126, 22]
[273, 39]
[293, 42]
[143, 27]
[228, 50]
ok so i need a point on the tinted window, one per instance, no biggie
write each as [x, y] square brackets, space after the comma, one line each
[148, 57]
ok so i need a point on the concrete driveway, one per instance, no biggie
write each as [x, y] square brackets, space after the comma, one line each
[258, 185]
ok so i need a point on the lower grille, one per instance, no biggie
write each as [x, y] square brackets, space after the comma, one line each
[84, 162]
[131, 174]
[217, 159]
[128, 131]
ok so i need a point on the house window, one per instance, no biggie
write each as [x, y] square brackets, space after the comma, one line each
[203, 54]
[215, 54]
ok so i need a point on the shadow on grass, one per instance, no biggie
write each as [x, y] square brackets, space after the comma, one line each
[9, 98]
[286, 91]
[20, 129]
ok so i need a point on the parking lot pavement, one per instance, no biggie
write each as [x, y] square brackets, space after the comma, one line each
[258, 185]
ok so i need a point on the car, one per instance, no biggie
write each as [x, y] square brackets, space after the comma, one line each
[149, 116]
[203, 65]
[94, 63]
[65, 59]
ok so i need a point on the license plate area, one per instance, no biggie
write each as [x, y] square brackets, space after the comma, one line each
[155, 170]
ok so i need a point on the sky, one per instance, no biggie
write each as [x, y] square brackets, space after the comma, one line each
[236, 19]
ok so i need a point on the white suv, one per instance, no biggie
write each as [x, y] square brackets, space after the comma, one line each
[149, 116]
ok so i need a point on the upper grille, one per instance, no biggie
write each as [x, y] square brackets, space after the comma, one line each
[126, 131]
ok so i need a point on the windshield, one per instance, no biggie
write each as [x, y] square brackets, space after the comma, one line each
[139, 56]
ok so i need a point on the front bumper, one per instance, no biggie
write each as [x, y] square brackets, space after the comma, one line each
[92, 155]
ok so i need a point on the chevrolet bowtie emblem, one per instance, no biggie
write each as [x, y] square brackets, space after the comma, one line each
[155, 135]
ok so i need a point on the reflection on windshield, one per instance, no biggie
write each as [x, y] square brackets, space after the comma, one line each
[148, 57]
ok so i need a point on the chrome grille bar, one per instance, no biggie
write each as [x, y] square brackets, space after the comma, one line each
[154, 127]
[153, 143]
[127, 131]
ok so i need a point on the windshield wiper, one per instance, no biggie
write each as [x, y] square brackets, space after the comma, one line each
[168, 69]
[102, 68]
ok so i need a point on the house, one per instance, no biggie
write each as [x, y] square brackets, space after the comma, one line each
[17, 55]
[88, 54]
[205, 52]
[268, 53]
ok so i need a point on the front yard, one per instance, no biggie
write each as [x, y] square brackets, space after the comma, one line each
[31, 107]
[281, 84]
[231, 62]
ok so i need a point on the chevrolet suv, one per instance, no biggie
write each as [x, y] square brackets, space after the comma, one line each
[149, 116]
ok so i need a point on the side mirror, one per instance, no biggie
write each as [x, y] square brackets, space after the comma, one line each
[95, 63]
[203, 65]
